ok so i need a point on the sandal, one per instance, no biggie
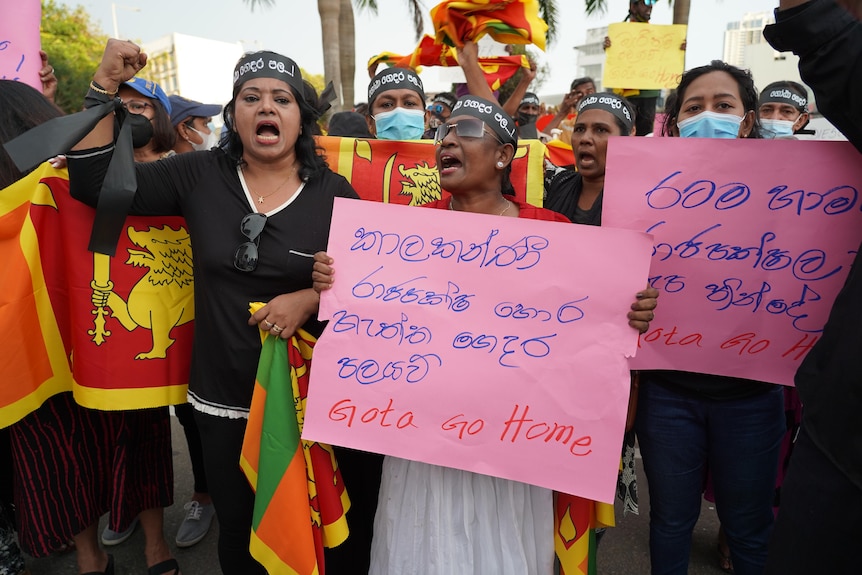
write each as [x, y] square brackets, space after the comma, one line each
[169, 567]
[109, 569]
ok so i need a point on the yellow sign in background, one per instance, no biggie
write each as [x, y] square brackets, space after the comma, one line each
[644, 56]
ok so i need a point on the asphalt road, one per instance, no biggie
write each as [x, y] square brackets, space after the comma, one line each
[623, 551]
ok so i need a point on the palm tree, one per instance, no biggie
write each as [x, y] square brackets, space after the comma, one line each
[681, 9]
[339, 40]
[339, 37]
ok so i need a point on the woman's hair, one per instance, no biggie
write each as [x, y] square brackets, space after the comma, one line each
[308, 152]
[506, 186]
[164, 135]
[21, 108]
[747, 92]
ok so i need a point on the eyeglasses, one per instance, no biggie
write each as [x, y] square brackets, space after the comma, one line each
[649, 2]
[135, 107]
[245, 258]
[435, 108]
[466, 128]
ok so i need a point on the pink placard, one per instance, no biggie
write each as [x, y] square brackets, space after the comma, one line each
[491, 344]
[754, 239]
[20, 43]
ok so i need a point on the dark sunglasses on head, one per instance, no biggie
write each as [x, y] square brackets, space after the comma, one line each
[464, 128]
[245, 257]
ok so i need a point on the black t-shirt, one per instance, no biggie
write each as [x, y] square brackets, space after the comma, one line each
[205, 188]
[563, 190]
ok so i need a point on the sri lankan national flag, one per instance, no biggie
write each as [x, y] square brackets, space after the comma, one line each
[34, 320]
[575, 522]
[506, 21]
[131, 349]
[300, 504]
[400, 172]
[429, 52]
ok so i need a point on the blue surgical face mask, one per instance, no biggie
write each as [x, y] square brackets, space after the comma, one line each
[400, 124]
[710, 125]
[776, 128]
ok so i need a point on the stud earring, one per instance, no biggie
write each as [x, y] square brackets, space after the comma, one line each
[499, 164]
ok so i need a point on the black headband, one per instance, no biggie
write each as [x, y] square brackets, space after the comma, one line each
[609, 102]
[529, 98]
[445, 98]
[395, 79]
[784, 95]
[493, 115]
[268, 65]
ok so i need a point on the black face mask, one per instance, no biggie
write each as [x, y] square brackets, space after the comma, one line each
[526, 119]
[142, 129]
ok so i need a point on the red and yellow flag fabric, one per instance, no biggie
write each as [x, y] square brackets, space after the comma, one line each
[428, 52]
[575, 522]
[406, 172]
[560, 153]
[300, 504]
[114, 330]
[506, 21]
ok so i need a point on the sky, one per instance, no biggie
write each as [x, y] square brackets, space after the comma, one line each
[292, 28]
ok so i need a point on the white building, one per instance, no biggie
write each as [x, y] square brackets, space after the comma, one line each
[744, 33]
[591, 55]
[195, 68]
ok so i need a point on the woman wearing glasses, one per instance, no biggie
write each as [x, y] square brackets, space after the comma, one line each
[438, 520]
[256, 210]
[150, 115]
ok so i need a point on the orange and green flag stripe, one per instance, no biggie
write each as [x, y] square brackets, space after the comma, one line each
[300, 501]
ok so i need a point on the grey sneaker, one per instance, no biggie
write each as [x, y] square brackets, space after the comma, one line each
[196, 524]
[110, 537]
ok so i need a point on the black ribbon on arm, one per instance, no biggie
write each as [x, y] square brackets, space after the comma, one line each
[58, 136]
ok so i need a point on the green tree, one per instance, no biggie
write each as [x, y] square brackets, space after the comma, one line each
[74, 45]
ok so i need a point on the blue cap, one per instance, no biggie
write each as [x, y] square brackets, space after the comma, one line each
[183, 108]
[150, 89]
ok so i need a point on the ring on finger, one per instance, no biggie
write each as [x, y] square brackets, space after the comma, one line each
[52, 70]
[277, 329]
[267, 324]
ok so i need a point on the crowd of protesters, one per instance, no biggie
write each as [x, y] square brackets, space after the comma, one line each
[257, 201]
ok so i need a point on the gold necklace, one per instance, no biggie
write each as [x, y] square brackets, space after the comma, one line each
[506, 209]
[260, 198]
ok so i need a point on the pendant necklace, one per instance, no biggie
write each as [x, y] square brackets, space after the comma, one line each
[260, 198]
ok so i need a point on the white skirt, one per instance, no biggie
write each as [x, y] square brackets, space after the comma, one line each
[434, 520]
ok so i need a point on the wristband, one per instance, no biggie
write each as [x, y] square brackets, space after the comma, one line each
[98, 89]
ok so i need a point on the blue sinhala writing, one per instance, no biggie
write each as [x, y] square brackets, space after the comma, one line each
[696, 194]
[510, 347]
[409, 291]
[838, 200]
[522, 254]
[399, 331]
[732, 293]
[369, 371]
[566, 313]
[810, 265]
